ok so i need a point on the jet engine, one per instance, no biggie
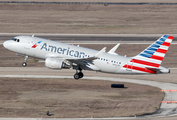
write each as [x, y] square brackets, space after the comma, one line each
[54, 63]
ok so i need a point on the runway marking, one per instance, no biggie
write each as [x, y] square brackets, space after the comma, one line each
[105, 43]
[98, 35]
[168, 90]
[100, 43]
[168, 101]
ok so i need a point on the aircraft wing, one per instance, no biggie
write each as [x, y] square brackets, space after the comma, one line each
[84, 61]
[96, 56]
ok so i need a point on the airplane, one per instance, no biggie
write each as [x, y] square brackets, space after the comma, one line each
[59, 55]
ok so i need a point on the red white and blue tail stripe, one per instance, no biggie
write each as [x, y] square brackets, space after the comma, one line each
[149, 60]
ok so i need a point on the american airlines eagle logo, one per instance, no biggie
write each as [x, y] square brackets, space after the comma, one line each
[36, 44]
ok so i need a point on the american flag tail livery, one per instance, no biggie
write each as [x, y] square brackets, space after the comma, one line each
[149, 60]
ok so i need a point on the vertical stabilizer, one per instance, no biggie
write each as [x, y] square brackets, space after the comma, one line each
[152, 56]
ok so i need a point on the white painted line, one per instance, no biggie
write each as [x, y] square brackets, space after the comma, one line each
[173, 68]
[113, 43]
[68, 34]
[107, 43]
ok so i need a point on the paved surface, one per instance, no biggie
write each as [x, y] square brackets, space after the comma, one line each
[170, 78]
[89, 37]
[42, 72]
[99, 3]
[93, 38]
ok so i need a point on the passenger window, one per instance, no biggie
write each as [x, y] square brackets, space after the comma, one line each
[18, 40]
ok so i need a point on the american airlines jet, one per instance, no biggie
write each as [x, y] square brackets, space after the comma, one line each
[59, 55]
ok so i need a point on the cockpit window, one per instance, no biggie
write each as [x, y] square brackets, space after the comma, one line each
[16, 40]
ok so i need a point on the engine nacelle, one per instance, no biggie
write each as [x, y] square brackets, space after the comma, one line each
[54, 63]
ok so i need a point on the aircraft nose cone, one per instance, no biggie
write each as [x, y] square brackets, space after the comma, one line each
[5, 44]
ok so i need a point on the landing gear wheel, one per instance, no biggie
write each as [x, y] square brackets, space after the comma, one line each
[76, 76]
[24, 64]
[81, 75]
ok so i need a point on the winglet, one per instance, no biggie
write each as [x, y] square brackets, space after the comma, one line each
[100, 52]
[112, 51]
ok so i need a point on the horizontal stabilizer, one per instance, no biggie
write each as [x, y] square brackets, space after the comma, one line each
[160, 70]
[112, 51]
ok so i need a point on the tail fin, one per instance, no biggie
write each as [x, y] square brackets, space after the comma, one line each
[152, 56]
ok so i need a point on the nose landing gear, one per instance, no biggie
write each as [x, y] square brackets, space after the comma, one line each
[24, 64]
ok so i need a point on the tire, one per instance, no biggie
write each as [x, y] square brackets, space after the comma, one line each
[81, 75]
[76, 76]
[24, 64]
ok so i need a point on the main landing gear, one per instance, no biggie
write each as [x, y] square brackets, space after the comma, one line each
[79, 74]
[24, 64]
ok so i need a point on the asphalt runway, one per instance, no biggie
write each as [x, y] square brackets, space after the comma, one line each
[88, 38]
[99, 3]
[93, 38]
[97, 38]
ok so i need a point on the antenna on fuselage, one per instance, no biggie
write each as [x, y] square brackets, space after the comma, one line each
[33, 35]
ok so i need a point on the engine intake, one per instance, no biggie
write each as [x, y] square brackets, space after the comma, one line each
[54, 63]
